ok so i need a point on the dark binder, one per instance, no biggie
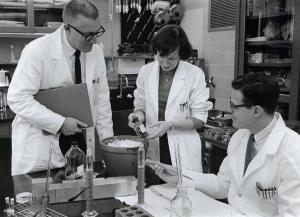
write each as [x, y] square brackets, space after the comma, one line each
[68, 101]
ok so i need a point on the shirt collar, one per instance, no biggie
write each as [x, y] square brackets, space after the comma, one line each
[69, 50]
[262, 135]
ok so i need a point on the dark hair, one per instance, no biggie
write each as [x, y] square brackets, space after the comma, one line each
[258, 89]
[168, 39]
[74, 8]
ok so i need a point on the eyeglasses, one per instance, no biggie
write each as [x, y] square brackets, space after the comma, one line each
[90, 35]
[234, 106]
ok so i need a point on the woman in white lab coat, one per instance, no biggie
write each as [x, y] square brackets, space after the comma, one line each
[171, 96]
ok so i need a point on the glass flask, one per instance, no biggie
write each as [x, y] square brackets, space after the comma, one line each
[181, 205]
[74, 158]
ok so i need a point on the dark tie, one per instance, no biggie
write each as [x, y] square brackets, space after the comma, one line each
[250, 152]
[65, 141]
[77, 67]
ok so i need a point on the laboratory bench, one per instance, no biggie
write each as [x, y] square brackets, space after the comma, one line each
[14, 185]
[157, 199]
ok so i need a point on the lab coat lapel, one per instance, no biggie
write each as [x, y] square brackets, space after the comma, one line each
[58, 58]
[153, 83]
[88, 66]
[269, 148]
[177, 84]
[238, 156]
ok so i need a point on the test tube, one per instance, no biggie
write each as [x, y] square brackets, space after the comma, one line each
[90, 211]
[141, 174]
[12, 206]
[7, 205]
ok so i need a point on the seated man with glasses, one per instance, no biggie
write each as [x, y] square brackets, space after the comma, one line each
[260, 175]
[68, 56]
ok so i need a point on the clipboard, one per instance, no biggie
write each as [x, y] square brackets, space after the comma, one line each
[68, 101]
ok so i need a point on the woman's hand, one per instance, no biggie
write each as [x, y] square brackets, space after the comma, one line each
[139, 115]
[159, 129]
[166, 172]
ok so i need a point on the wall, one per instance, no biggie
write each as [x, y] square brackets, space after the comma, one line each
[217, 48]
[105, 9]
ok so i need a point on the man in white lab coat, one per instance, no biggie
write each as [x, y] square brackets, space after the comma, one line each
[48, 62]
[260, 177]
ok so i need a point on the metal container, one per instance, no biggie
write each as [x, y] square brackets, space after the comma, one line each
[120, 161]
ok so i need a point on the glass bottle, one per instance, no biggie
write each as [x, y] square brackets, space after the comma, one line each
[139, 128]
[74, 158]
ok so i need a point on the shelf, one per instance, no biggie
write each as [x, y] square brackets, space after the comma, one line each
[21, 35]
[9, 5]
[274, 65]
[132, 56]
[7, 64]
[269, 43]
[284, 98]
[279, 15]
[49, 6]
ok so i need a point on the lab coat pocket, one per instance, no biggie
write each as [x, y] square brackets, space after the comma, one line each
[95, 84]
[184, 110]
[266, 192]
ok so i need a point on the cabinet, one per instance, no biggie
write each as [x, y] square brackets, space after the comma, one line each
[27, 19]
[268, 40]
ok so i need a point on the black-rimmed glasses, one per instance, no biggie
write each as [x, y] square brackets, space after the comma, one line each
[234, 106]
[90, 35]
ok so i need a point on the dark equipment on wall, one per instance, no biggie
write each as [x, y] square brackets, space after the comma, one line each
[141, 19]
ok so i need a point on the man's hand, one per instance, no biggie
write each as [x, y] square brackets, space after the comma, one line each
[72, 126]
[158, 129]
[166, 172]
[139, 115]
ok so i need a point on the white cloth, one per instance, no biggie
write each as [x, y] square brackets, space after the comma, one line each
[43, 65]
[188, 87]
[277, 164]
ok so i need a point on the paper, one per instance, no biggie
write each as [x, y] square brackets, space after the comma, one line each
[68, 101]
[157, 202]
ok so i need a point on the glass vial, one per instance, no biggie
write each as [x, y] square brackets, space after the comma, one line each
[73, 158]
[13, 58]
[139, 128]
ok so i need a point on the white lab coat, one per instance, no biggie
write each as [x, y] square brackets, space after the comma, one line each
[43, 65]
[189, 87]
[277, 164]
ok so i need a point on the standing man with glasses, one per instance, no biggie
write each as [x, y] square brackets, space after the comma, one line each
[68, 56]
[261, 174]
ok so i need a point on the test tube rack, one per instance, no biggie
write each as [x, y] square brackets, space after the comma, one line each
[133, 211]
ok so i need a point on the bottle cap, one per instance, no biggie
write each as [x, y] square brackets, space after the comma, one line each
[89, 151]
